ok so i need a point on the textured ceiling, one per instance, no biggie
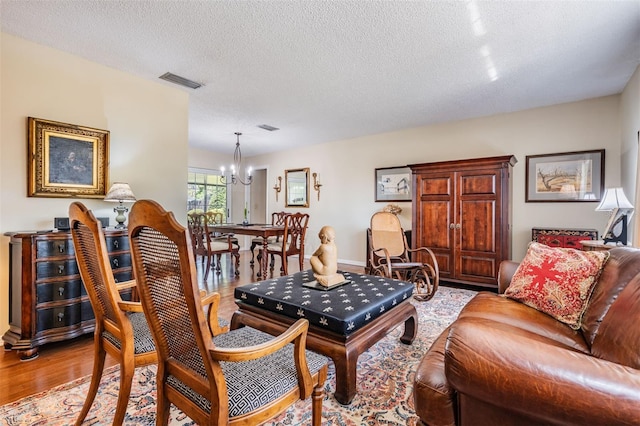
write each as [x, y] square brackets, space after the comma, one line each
[331, 70]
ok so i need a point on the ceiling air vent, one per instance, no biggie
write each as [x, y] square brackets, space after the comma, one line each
[180, 80]
[267, 127]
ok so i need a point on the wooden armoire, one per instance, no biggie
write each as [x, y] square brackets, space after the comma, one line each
[462, 212]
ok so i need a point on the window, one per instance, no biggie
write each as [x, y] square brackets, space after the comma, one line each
[205, 192]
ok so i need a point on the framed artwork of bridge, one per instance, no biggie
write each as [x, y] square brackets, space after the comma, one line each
[565, 177]
[393, 184]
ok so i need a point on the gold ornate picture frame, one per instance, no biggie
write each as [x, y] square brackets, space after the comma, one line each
[65, 160]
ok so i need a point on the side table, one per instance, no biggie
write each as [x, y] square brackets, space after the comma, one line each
[596, 245]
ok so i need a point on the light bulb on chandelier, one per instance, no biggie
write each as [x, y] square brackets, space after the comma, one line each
[237, 160]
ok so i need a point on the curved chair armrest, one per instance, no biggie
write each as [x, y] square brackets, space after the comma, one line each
[384, 267]
[212, 300]
[423, 249]
[125, 285]
[296, 334]
[127, 306]
[432, 266]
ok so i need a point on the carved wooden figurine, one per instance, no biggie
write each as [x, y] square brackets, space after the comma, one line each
[324, 262]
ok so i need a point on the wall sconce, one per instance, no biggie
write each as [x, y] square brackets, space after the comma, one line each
[278, 186]
[316, 183]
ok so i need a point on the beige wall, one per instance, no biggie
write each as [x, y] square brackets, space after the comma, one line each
[347, 167]
[148, 122]
[630, 127]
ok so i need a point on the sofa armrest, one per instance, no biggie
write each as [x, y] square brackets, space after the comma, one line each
[505, 273]
[539, 380]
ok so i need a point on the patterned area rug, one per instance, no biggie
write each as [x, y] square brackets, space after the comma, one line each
[385, 384]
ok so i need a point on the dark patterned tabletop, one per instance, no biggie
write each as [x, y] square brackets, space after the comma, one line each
[343, 310]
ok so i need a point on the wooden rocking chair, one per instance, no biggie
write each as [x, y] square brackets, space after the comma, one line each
[390, 256]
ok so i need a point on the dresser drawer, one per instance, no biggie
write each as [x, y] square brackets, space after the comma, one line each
[122, 260]
[57, 268]
[123, 276]
[63, 290]
[117, 243]
[86, 312]
[62, 316]
[54, 247]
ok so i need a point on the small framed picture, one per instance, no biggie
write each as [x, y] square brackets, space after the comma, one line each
[565, 177]
[66, 160]
[393, 184]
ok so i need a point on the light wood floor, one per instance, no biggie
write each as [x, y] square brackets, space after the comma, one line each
[63, 362]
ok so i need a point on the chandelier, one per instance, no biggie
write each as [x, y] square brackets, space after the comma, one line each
[237, 160]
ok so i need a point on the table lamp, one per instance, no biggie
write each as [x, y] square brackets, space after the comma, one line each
[617, 203]
[119, 193]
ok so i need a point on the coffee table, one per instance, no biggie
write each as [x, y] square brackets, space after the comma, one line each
[343, 322]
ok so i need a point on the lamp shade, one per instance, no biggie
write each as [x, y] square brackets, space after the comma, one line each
[120, 192]
[614, 198]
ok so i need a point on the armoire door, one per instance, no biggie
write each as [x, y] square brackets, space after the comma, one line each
[476, 225]
[433, 228]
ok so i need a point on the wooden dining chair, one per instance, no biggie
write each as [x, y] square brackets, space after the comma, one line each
[391, 256]
[121, 329]
[214, 217]
[292, 242]
[277, 219]
[211, 247]
[240, 377]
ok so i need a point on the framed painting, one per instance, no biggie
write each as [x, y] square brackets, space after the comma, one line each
[65, 160]
[566, 177]
[393, 184]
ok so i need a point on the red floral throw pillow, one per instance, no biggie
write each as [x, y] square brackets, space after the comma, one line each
[557, 281]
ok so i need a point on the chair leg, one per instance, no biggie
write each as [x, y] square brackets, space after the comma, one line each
[127, 369]
[284, 270]
[253, 246]
[162, 409]
[426, 282]
[99, 356]
[206, 272]
[236, 256]
[317, 397]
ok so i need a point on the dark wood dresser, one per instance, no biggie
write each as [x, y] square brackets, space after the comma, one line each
[47, 299]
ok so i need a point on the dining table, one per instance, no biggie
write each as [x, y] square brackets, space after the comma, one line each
[263, 231]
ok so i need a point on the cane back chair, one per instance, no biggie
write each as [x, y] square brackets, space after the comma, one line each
[292, 243]
[121, 328]
[210, 247]
[214, 381]
[390, 256]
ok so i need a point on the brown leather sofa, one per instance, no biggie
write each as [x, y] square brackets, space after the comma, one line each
[504, 363]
